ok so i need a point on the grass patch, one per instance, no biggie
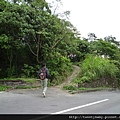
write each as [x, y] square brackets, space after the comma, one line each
[69, 87]
[28, 80]
[99, 88]
[26, 87]
[73, 89]
[4, 87]
[23, 87]
[29, 83]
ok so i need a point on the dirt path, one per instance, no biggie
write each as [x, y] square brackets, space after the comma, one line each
[71, 77]
[57, 89]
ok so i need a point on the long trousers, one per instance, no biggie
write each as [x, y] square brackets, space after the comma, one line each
[44, 85]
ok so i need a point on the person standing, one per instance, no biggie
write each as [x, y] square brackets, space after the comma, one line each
[43, 75]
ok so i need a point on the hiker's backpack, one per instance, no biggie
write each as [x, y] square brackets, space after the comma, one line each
[42, 74]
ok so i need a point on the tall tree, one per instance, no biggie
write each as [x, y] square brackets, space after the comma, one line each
[33, 26]
[112, 39]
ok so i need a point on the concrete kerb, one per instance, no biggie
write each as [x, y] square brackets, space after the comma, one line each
[93, 90]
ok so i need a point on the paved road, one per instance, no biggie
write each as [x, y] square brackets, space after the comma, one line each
[59, 102]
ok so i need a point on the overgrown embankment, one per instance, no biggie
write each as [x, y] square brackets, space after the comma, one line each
[19, 83]
[95, 73]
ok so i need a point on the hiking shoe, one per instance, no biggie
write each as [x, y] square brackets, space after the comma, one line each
[43, 94]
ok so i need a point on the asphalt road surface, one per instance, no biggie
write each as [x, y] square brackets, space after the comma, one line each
[59, 102]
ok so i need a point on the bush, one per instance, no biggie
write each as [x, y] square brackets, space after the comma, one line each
[95, 67]
[59, 67]
[3, 87]
[28, 70]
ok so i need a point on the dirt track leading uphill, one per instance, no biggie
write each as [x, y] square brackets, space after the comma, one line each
[71, 77]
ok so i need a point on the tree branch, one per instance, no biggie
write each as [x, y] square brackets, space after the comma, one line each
[58, 41]
[31, 50]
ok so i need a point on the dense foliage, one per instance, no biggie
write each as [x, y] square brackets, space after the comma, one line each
[30, 34]
[98, 68]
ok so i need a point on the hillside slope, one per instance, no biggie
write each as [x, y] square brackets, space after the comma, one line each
[71, 77]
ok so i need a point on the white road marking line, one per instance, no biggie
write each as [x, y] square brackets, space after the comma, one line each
[93, 103]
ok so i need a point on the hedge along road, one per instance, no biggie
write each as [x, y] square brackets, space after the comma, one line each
[58, 101]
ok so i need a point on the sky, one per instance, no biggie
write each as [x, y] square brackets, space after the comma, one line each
[101, 17]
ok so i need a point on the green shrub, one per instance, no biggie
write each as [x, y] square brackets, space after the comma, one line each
[28, 70]
[3, 87]
[95, 67]
[59, 67]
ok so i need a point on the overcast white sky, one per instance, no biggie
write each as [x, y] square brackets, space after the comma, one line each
[101, 17]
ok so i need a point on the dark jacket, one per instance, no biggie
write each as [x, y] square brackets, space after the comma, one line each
[47, 72]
